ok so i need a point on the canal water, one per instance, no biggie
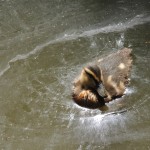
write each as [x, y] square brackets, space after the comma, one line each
[43, 47]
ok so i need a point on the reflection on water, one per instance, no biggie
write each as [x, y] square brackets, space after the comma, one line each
[43, 46]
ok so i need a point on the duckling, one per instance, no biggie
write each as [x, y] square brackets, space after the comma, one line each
[111, 73]
[85, 88]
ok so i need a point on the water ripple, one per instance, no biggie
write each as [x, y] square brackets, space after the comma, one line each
[137, 20]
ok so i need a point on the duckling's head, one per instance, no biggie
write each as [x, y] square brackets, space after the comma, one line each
[90, 77]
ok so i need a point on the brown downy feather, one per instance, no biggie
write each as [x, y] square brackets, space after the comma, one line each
[115, 72]
[85, 88]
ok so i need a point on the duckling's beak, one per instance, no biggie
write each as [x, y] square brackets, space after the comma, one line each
[101, 90]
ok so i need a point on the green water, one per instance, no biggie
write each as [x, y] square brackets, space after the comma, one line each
[43, 47]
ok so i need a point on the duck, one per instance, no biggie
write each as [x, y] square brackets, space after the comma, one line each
[103, 81]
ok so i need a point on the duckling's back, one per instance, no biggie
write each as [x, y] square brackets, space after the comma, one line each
[115, 72]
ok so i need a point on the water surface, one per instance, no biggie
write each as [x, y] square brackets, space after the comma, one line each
[43, 47]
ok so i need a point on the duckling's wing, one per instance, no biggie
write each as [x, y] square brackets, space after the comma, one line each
[115, 72]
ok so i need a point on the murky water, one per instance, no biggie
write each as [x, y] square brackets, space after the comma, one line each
[43, 46]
